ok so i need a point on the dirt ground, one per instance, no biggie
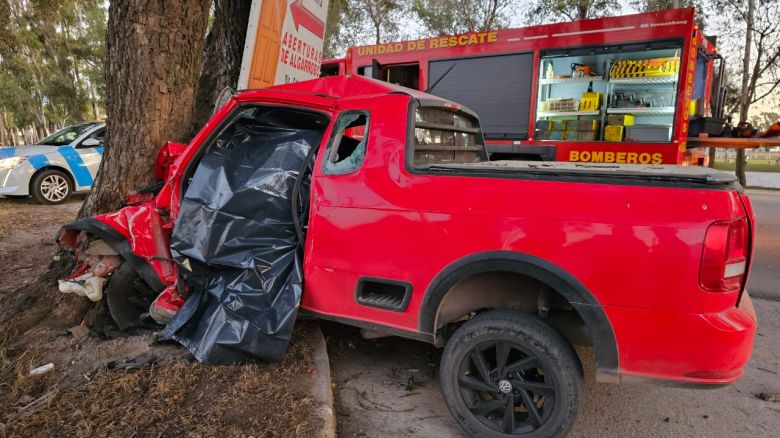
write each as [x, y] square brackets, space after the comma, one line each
[95, 388]
[390, 387]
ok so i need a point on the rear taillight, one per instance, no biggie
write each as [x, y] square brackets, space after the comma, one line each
[725, 256]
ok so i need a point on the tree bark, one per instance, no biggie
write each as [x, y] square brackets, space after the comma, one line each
[222, 63]
[154, 53]
[744, 99]
[153, 58]
[2, 129]
[93, 98]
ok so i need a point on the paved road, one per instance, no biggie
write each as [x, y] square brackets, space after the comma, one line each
[764, 278]
[389, 387]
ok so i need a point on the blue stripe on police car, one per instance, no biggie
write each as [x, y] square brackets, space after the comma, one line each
[38, 161]
[77, 166]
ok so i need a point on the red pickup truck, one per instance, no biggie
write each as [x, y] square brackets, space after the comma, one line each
[396, 221]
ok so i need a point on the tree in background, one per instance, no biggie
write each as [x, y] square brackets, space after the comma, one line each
[442, 17]
[224, 51]
[332, 41]
[763, 120]
[552, 11]
[358, 22]
[153, 59]
[662, 5]
[51, 60]
[382, 15]
[751, 34]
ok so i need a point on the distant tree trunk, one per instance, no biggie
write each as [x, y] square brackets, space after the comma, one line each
[744, 98]
[2, 129]
[712, 157]
[222, 63]
[154, 51]
[93, 98]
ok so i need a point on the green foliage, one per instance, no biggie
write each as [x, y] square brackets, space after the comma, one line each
[51, 62]
[443, 17]
[358, 22]
[765, 119]
[662, 5]
[553, 11]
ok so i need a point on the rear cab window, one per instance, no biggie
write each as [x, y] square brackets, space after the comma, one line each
[445, 134]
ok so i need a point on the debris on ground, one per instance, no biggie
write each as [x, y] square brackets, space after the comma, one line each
[43, 369]
[79, 332]
[769, 396]
[154, 389]
[134, 363]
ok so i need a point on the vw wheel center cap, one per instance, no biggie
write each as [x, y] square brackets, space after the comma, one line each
[505, 386]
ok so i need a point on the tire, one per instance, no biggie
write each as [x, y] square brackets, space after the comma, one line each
[51, 186]
[546, 374]
[128, 298]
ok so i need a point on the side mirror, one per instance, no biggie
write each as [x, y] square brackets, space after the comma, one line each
[91, 142]
[165, 159]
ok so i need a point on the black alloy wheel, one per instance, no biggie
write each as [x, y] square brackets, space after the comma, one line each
[509, 374]
[505, 387]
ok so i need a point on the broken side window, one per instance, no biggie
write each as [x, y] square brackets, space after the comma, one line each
[347, 147]
[444, 135]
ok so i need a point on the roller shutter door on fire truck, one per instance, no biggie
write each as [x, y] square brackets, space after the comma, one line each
[497, 87]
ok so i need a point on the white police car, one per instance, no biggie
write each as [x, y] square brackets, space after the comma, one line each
[59, 165]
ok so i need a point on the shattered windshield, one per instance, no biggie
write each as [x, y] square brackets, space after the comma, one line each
[67, 135]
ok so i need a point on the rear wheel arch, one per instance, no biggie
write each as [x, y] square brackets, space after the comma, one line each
[559, 280]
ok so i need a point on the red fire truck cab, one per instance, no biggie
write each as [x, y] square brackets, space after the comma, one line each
[628, 89]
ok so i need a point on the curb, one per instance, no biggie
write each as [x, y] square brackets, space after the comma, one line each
[323, 389]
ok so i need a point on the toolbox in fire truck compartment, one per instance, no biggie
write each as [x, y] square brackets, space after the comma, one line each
[618, 85]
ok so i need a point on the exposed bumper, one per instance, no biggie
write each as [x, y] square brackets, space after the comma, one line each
[709, 348]
[14, 182]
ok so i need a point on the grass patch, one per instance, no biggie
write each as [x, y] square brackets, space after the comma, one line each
[752, 166]
[17, 387]
[171, 399]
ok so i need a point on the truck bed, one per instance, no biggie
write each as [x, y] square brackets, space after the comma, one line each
[600, 173]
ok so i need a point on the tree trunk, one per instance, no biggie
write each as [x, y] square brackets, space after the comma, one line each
[153, 57]
[154, 52]
[2, 129]
[744, 98]
[712, 152]
[222, 63]
[93, 98]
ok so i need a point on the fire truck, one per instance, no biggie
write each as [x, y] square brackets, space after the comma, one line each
[642, 88]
